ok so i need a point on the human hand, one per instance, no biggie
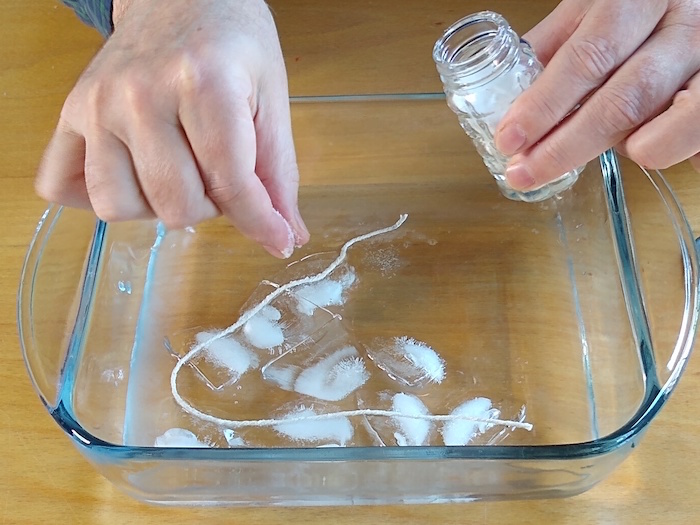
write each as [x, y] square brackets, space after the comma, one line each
[183, 115]
[633, 65]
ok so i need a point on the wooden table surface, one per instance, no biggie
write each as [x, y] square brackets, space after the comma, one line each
[331, 47]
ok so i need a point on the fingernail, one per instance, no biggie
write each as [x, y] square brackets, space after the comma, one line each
[285, 251]
[510, 139]
[518, 177]
[275, 252]
[302, 234]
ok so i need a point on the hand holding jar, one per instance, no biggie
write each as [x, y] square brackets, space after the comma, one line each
[622, 73]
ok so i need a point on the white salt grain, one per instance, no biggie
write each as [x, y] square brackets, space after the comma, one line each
[334, 377]
[422, 357]
[459, 432]
[413, 432]
[338, 430]
[227, 353]
[291, 238]
[178, 437]
[263, 332]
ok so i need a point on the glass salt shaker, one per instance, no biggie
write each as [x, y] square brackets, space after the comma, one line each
[484, 66]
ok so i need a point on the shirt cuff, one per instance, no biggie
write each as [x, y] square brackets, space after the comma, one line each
[96, 13]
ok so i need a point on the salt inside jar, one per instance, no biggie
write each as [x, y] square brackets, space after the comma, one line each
[484, 66]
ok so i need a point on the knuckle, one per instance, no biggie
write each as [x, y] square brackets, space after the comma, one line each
[177, 219]
[199, 76]
[46, 189]
[686, 102]
[546, 110]
[175, 207]
[107, 209]
[620, 109]
[225, 192]
[191, 76]
[108, 212]
[137, 93]
[644, 156]
[593, 58]
[642, 153]
[98, 100]
[553, 158]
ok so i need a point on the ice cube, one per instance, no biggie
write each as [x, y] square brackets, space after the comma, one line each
[397, 430]
[327, 292]
[333, 377]
[412, 432]
[459, 432]
[263, 330]
[179, 437]
[326, 366]
[410, 362]
[333, 431]
[228, 353]
[279, 326]
[219, 363]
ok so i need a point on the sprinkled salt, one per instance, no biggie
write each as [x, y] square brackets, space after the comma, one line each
[327, 292]
[263, 332]
[338, 429]
[291, 238]
[407, 361]
[459, 432]
[334, 377]
[413, 432]
[228, 353]
[423, 357]
[179, 437]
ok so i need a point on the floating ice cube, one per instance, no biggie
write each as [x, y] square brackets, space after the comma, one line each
[333, 377]
[263, 330]
[459, 432]
[326, 365]
[413, 432]
[228, 353]
[407, 361]
[179, 437]
[280, 326]
[333, 431]
[397, 430]
[328, 292]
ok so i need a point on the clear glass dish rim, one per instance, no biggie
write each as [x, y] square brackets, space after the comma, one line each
[654, 399]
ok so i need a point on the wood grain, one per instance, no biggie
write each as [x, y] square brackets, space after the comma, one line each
[332, 47]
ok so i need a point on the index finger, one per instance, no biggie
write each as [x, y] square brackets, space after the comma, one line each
[587, 59]
[218, 120]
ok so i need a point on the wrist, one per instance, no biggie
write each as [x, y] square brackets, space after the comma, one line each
[119, 9]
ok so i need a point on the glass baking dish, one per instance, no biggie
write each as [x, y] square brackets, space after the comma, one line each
[550, 334]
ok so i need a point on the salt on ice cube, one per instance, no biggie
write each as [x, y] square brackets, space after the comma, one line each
[326, 366]
[337, 430]
[397, 430]
[407, 361]
[333, 377]
[459, 432]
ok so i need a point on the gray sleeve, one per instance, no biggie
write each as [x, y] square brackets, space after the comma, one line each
[96, 13]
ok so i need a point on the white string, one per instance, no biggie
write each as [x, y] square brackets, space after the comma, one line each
[246, 316]
[374, 412]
